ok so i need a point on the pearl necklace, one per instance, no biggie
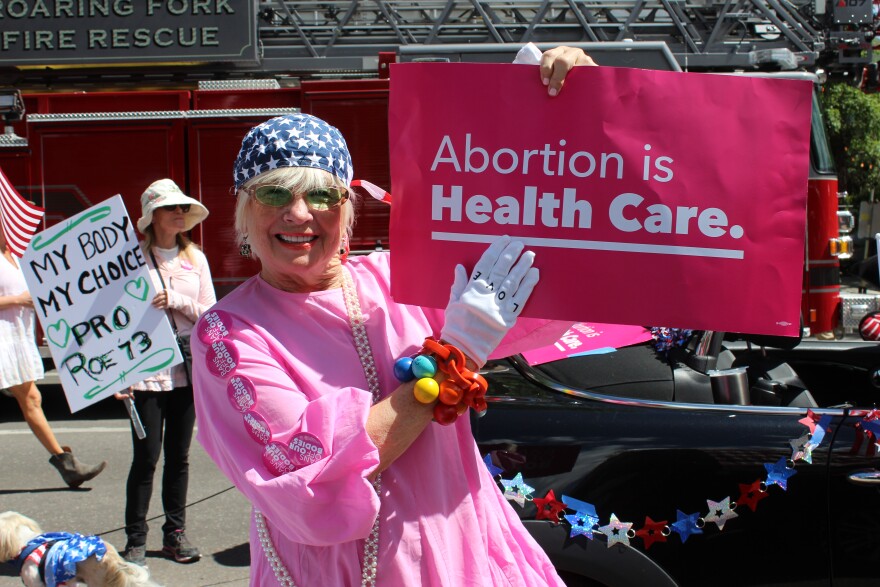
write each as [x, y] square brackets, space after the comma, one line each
[365, 353]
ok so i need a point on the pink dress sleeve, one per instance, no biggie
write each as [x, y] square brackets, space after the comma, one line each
[249, 407]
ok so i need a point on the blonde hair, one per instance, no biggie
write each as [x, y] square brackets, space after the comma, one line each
[297, 180]
[187, 247]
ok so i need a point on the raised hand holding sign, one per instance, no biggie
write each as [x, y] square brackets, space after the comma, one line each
[481, 310]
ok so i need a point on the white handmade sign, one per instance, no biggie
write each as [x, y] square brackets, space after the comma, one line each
[92, 291]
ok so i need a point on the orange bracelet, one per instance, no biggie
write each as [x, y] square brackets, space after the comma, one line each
[460, 390]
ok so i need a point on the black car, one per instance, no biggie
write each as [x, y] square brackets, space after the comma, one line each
[714, 493]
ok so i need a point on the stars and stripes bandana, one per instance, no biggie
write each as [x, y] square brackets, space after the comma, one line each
[295, 140]
[65, 551]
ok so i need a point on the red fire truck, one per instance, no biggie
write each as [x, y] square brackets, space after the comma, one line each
[77, 149]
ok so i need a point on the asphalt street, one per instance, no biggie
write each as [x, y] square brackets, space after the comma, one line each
[217, 517]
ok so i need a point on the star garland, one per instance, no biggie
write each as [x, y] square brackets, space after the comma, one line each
[585, 520]
[667, 338]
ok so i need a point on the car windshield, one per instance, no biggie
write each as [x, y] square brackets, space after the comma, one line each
[820, 153]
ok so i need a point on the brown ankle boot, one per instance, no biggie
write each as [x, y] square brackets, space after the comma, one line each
[74, 472]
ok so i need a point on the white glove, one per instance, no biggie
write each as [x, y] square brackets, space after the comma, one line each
[481, 310]
[529, 54]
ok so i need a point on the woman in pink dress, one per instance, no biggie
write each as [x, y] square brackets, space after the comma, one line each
[353, 476]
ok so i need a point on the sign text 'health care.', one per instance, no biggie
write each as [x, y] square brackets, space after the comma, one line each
[628, 212]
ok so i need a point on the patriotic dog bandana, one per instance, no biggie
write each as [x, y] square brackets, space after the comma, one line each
[65, 550]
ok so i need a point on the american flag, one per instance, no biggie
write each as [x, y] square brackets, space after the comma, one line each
[19, 218]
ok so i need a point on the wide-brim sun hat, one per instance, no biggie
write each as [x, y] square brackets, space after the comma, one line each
[165, 192]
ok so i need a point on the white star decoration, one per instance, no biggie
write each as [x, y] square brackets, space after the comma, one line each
[720, 512]
[797, 447]
[516, 490]
[616, 531]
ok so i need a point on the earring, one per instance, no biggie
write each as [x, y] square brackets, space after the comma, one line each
[344, 250]
[244, 249]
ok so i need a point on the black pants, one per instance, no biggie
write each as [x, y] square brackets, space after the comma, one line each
[169, 419]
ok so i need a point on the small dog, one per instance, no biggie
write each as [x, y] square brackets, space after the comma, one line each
[82, 561]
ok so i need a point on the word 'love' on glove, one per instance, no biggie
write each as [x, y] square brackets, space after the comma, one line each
[483, 308]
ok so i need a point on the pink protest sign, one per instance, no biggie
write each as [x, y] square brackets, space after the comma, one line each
[649, 197]
[583, 338]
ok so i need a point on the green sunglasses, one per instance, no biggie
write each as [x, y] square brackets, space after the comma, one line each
[318, 199]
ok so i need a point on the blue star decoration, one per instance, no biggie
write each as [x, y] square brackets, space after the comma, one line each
[516, 490]
[686, 525]
[872, 426]
[493, 470]
[616, 531]
[778, 473]
[720, 512]
[584, 518]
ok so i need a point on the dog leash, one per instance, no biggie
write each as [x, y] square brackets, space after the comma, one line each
[206, 498]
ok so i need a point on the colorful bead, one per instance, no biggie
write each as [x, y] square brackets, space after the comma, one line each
[424, 366]
[450, 393]
[460, 388]
[445, 414]
[403, 369]
[426, 390]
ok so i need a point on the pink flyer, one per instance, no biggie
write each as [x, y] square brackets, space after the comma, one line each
[583, 338]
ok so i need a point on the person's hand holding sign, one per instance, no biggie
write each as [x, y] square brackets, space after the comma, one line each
[481, 310]
[161, 300]
[557, 62]
[22, 299]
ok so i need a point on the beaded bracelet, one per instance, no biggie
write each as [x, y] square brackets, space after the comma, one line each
[460, 389]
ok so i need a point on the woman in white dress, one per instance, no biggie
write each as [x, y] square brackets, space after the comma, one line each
[21, 365]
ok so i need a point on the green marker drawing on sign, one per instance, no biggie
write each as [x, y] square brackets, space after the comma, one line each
[168, 352]
[137, 288]
[59, 333]
[97, 214]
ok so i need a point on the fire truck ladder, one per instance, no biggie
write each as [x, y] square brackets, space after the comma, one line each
[701, 34]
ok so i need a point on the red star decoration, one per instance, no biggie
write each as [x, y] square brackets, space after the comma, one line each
[652, 532]
[750, 495]
[549, 508]
[810, 421]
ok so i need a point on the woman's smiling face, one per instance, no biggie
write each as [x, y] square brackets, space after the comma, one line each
[298, 246]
